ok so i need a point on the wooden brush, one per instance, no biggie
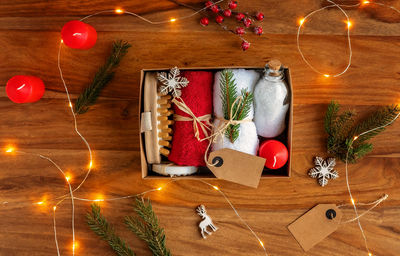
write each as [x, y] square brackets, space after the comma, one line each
[156, 123]
[156, 118]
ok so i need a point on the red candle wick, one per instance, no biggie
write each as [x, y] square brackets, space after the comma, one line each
[22, 86]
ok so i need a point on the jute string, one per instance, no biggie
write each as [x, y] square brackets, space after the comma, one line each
[204, 123]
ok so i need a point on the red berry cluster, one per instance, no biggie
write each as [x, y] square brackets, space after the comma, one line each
[246, 20]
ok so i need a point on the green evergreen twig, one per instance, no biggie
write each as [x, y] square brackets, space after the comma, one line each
[98, 223]
[240, 109]
[146, 226]
[103, 76]
[341, 131]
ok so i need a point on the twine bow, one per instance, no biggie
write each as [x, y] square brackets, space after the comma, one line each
[202, 121]
[223, 125]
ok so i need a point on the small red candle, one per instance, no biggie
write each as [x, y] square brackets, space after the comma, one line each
[25, 89]
[78, 35]
[275, 152]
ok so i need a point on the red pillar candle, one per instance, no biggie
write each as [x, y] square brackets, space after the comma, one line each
[78, 35]
[275, 153]
[25, 89]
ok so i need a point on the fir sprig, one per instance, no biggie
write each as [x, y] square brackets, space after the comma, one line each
[98, 223]
[240, 110]
[103, 76]
[342, 131]
[146, 226]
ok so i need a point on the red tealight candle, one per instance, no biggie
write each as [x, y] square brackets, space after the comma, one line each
[275, 152]
[25, 89]
[78, 35]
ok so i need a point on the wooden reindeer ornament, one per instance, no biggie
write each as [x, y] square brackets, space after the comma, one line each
[206, 222]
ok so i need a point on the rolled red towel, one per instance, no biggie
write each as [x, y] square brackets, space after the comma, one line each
[186, 149]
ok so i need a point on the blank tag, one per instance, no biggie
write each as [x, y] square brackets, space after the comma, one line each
[237, 167]
[315, 225]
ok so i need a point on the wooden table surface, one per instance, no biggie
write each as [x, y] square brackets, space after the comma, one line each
[29, 38]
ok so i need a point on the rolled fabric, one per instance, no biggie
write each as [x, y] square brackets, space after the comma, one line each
[186, 149]
[247, 140]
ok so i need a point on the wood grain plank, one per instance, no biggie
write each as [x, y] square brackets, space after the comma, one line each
[34, 8]
[185, 51]
[282, 205]
[280, 17]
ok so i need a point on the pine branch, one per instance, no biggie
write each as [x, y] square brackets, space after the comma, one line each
[245, 107]
[331, 113]
[146, 226]
[377, 119]
[239, 110]
[103, 76]
[342, 130]
[98, 223]
[228, 92]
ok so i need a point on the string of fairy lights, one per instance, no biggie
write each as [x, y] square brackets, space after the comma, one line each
[349, 24]
[68, 178]
[348, 184]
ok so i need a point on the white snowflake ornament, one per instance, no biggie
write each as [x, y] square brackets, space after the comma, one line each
[172, 82]
[323, 170]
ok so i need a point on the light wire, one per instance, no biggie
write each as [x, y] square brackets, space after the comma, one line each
[338, 6]
[348, 184]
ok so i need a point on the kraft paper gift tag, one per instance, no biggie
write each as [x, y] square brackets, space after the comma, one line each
[237, 167]
[315, 225]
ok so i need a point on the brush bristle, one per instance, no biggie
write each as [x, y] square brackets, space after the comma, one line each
[164, 111]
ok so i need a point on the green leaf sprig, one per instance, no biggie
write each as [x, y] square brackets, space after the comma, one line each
[103, 76]
[240, 109]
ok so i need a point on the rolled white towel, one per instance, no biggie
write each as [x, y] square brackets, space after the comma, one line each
[247, 141]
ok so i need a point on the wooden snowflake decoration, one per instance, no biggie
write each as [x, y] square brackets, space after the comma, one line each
[172, 82]
[323, 170]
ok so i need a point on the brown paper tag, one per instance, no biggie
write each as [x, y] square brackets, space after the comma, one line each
[315, 225]
[237, 167]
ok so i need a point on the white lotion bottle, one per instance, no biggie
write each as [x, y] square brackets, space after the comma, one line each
[271, 101]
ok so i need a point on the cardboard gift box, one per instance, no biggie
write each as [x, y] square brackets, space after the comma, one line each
[237, 167]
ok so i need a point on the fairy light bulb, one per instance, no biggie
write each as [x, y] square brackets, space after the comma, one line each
[70, 105]
[326, 75]
[366, 2]
[90, 164]
[9, 149]
[301, 21]
[99, 198]
[215, 187]
[62, 41]
[261, 243]
[160, 188]
[54, 208]
[40, 203]
[74, 245]
[355, 138]
[369, 254]
[172, 20]
[68, 178]
[352, 201]
[119, 11]
[349, 24]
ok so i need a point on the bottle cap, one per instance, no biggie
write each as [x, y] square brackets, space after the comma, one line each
[274, 67]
